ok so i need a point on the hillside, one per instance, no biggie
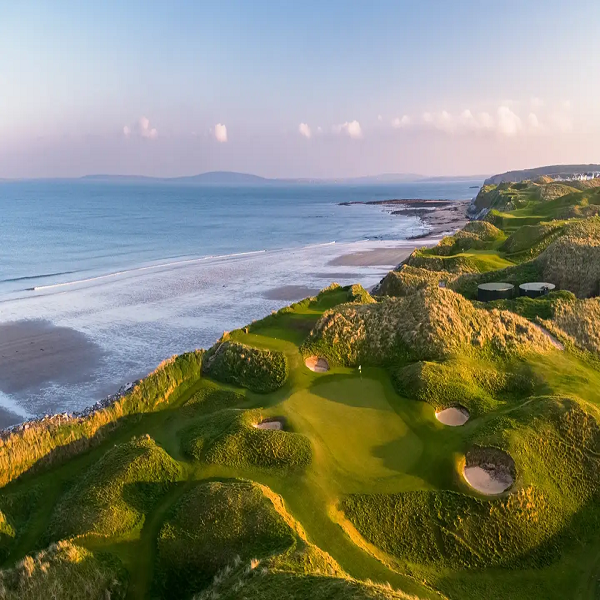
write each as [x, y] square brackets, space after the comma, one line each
[409, 443]
[530, 174]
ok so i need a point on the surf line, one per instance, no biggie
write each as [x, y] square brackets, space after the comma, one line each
[138, 269]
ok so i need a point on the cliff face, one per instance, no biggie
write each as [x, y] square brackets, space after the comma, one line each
[553, 170]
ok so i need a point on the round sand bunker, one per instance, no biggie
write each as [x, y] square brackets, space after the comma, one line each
[489, 470]
[454, 416]
[317, 364]
[273, 424]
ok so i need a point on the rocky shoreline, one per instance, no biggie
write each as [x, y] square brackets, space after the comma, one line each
[441, 216]
[70, 416]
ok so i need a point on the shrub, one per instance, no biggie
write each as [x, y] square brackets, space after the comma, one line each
[261, 371]
[114, 494]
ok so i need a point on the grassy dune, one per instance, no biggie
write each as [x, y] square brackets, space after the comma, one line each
[174, 492]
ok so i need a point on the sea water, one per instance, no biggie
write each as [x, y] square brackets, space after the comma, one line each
[148, 270]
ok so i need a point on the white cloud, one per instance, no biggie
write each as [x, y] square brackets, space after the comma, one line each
[220, 133]
[400, 122]
[533, 122]
[304, 130]
[509, 123]
[379, 118]
[504, 121]
[141, 128]
[319, 129]
[351, 128]
[537, 103]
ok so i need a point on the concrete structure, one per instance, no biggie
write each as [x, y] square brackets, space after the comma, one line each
[494, 291]
[535, 289]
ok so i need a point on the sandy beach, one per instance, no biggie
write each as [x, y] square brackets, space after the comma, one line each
[36, 352]
[290, 293]
[381, 257]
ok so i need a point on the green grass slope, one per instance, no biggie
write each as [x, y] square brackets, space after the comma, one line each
[231, 438]
[417, 327]
[259, 370]
[213, 525]
[113, 496]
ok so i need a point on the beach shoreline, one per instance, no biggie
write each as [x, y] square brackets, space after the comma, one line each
[41, 353]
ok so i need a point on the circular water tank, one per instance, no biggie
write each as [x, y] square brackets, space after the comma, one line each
[535, 289]
[486, 292]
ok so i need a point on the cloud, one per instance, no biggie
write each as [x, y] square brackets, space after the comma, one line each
[562, 119]
[533, 121]
[509, 123]
[537, 103]
[220, 133]
[400, 122]
[379, 118]
[304, 130]
[141, 128]
[351, 128]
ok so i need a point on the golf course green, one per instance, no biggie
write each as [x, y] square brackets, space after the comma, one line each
[362, 489]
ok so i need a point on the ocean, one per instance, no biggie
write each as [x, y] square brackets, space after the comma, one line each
[147, 270]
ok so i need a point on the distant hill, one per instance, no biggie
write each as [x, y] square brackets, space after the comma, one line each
[212, 178]
[552, 170]
[234, 178]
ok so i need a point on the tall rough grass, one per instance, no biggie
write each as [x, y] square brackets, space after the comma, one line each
[64, 571]
[433, 323]
[53, 440]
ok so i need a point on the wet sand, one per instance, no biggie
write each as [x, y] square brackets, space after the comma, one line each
[381, 257]
[34, 353]
[290, 293]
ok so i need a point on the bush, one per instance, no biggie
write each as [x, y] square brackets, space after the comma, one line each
[114, 494]
[261, 371]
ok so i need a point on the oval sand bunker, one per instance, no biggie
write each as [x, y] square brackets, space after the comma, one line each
[317, 364]
[454, 416]
[273, 424]
[489, 471]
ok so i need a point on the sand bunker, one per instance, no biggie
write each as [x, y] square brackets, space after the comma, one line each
[489, 471]
[273, 424]
[454, 416]
[316, 364]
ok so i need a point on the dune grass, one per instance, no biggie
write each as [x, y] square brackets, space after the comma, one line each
[212, 526]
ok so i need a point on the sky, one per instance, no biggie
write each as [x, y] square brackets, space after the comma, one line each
[297, 89]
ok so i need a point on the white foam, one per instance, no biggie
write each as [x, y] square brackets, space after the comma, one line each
[11, 405]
